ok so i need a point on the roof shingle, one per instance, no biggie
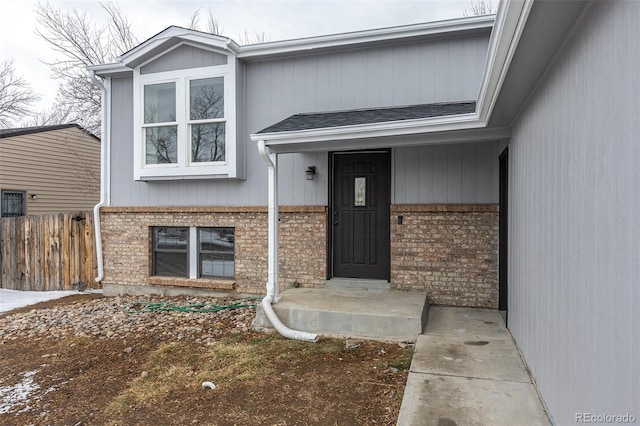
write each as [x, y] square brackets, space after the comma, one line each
[18, 131]
[324, 120]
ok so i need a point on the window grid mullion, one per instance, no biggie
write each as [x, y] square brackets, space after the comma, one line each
[193, 252]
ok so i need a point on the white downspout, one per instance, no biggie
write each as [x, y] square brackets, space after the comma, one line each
[104, 172]
[273, 291]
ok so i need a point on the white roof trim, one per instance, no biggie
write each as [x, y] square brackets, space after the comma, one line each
[366, 36]
[510, 22]
[184, 34]
[372, 130]
[296, 45]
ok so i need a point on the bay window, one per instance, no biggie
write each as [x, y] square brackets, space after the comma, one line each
[185, 121]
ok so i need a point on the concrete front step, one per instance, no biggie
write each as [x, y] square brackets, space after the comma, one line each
[357, 284]
[366, 314]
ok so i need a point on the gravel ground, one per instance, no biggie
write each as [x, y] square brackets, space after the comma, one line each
[116, 317]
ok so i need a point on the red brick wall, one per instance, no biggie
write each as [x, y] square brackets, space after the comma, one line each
[449, 251]
[126, 244]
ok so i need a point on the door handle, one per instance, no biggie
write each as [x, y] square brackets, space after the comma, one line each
[335, 223]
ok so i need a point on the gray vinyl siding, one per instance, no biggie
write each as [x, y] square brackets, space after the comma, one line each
[61, 167]
[574, 219]
[437, 71]
[269, 91]
[446, 174]
[184, 57]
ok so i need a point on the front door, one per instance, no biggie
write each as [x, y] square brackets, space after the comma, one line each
[360, 215]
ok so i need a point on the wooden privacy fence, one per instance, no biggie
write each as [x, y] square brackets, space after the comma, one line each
[48, 252]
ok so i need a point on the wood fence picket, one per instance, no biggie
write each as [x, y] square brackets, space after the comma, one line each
[48, 252]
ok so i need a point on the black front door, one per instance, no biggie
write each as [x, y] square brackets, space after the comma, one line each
[360, 215]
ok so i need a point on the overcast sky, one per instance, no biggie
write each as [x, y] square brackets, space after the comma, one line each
[279, 19]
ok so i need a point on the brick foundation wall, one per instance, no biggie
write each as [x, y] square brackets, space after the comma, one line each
[126, 238]
[449, 251]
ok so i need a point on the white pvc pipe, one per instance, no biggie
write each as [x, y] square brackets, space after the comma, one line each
[283, 329]
[272, 283]
[272, 226]
[104, 142]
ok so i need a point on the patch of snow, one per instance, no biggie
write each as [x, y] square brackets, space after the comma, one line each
[12, 397]
[13, 299]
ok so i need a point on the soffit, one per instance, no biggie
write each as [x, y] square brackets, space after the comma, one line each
[548, 25]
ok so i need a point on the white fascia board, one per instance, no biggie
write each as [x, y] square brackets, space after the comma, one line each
[367, 36]
[480, 135]
[509, 26]
[109, 70]
[372, 130]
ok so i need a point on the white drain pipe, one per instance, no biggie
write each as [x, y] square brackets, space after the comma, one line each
[104, 170]
[273, 294]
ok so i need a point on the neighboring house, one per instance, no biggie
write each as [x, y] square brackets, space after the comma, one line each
[405, 155]
[48, 169]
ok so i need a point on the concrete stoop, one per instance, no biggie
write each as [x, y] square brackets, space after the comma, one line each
[356, 313]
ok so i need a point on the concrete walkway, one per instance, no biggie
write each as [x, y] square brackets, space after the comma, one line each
[466, 370]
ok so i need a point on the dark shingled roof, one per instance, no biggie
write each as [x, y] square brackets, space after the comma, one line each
[19, 131]
[323, 120]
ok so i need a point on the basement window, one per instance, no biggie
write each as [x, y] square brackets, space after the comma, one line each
[192, 252]
[170, 251]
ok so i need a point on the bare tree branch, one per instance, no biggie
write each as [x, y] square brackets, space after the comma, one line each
[51, 117]
[194, 20]
[258, 37]
[213, 26]
[480, 7]
[81, 43]
[15, 95]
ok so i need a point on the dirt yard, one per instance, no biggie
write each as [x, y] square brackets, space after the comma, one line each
[88, 360]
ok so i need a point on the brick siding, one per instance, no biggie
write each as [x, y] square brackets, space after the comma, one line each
[449, 251]
[126, 236]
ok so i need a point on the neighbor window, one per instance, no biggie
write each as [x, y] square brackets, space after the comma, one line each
[186, 123]
[13, 203]
[191, 252]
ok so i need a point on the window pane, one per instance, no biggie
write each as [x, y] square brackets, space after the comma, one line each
[166, 238]
[216, 265]
[12, 203]
[207, 142]
[170, 251]
[216, 252]
[160, 103]
[206, 98]
[170, 264]
[161, 145]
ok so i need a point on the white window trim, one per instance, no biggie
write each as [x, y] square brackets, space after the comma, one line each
[184, 168]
